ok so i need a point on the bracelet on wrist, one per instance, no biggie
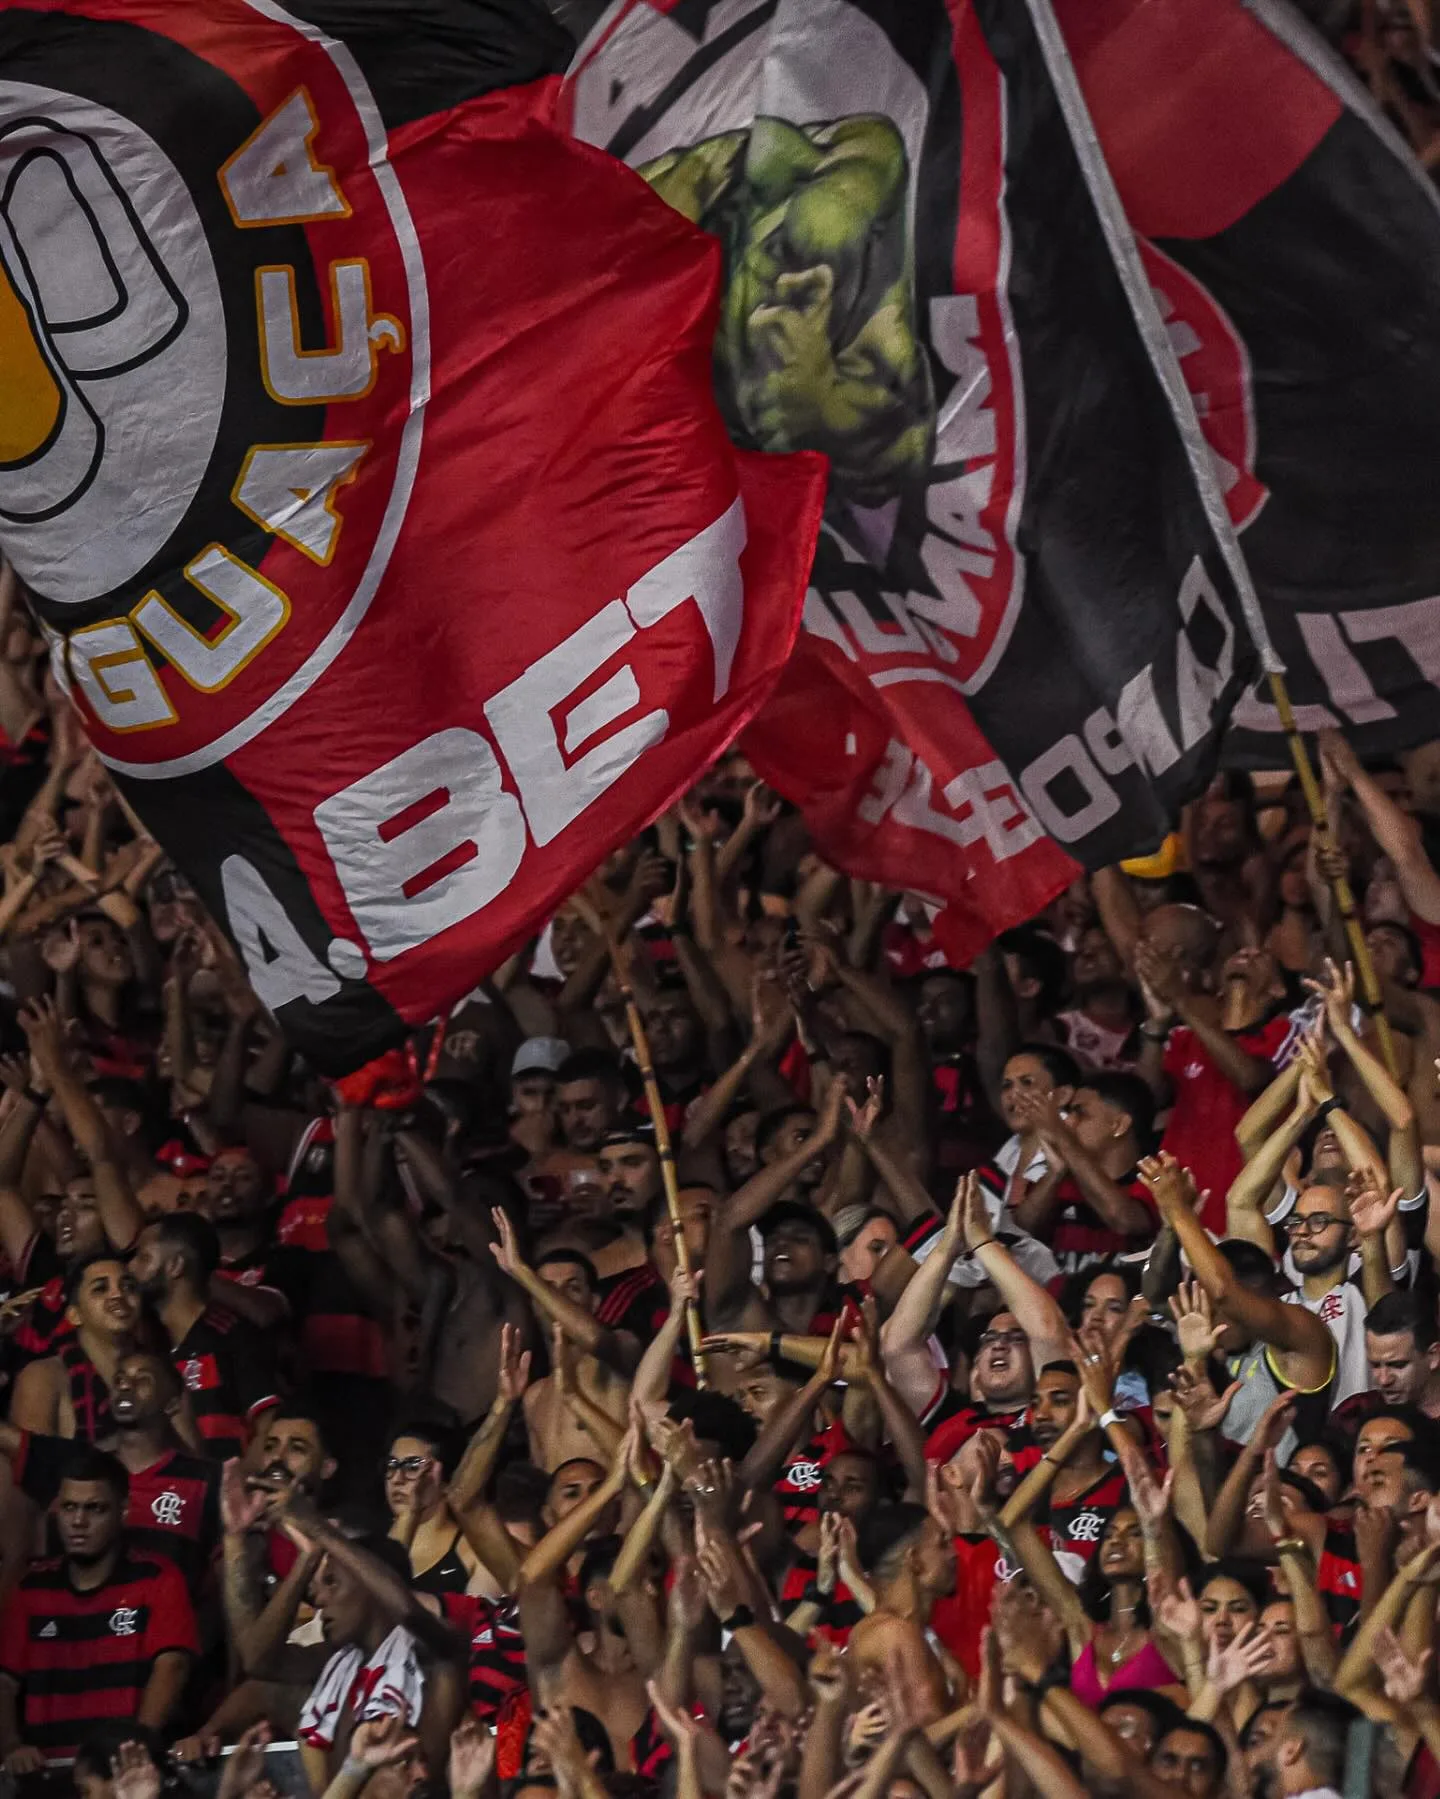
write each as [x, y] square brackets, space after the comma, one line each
[742, 1618]
[35, 1098]
[1107, 1418]
[1295, 1545]
[984, 1245]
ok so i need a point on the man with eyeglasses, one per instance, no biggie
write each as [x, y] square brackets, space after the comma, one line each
[1323, 1239]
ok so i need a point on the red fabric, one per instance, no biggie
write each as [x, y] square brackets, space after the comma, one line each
[390, 1083]
[1423, 1779]
[870, 768]
[1207, 1108]
[951, 1435]
[1429, 935]
[960, 1617]
[556, 590]
[1200, 110]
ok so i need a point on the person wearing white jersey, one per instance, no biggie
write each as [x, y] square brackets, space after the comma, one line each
[1323, 1230]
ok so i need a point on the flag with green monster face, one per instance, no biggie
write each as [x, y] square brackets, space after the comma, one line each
[1022, 631]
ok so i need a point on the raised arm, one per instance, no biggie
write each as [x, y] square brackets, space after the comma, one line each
[900, 1423]
[1251, 1074]
[1373, 1217]
[1061, 1595]
[1036, 1312]
[583, 1328]
[1358, 1667]
[912, 1198]
[727, 1262]
[652, 1373]
[1021, 1504]
[549, 1556]
[1291, 1329]
[780, 1430]
[119, 1210]
[770, 1031]
[1228, 1512]
[1403, 1151]
[906, 1332]
[1396, 833]
[1265, 1156]
[1298, 1561]
[483, 1451]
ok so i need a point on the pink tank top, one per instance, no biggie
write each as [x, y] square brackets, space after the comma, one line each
[1146, 1668]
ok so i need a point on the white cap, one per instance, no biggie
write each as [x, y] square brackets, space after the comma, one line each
[538, 1054]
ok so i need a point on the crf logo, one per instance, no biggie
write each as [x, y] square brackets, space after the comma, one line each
[193, 1375]
[804, 1477]
[166, 1509]
[1086, 1527]
[124, 1621]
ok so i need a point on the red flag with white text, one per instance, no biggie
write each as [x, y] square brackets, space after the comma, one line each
[361, 462]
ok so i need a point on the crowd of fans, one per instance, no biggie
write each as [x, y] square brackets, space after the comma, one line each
[1034, 1387]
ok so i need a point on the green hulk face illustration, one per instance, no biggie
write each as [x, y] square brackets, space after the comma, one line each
[817, 346]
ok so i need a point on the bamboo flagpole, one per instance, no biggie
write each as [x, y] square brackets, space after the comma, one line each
[1121, 243]
[663, 1146]
[665, 1150]
[1340, 885]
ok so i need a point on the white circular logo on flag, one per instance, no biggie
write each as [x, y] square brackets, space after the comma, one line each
[213, 363]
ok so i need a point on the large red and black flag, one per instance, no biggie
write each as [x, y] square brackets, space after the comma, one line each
[1294, 243]
[1022, 634]
[359, 454]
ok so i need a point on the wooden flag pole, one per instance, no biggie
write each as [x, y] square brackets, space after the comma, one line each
[1340, 886]
[663, 1147]
[1155, 335]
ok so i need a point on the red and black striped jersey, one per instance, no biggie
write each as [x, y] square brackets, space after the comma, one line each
[89, 1396]
[1338, 1576]
[638, 1301]
[1077, 1525]
[173, 1510]
[497, 1649]
[798, 1487]
[1079, 1237]
[334, 1333]
[83, 1659]
[228, 1368]
[44, 1327]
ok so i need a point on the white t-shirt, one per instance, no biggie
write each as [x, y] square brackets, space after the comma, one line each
[1342, 1310]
